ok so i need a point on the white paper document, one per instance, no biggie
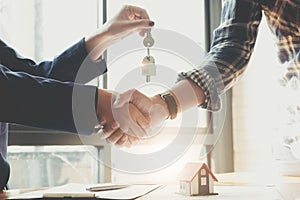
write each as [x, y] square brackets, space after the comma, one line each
[82, 191]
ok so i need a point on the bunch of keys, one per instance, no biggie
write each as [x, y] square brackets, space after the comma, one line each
[148, 63]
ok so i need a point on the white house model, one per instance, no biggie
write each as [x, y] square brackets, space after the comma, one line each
[196, 179]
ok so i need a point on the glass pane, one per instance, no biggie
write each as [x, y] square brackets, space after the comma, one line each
[60, 29]
[126, 67]
[203, 172]
[46, 28]
[47, 22]
[43, 166]
[41, 29]
[184, 18]
[203, 181]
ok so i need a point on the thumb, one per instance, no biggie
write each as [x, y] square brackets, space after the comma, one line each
[141, 101]
[122, 99]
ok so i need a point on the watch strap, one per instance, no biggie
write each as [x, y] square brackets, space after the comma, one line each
[171, 104]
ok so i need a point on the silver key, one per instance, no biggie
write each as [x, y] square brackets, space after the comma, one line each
[148, 40]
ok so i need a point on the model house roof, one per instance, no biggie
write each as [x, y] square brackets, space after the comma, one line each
[190, 170]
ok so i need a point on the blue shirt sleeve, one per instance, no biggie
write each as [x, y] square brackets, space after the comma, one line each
[64, 67]
[46, 103]
[42, 95]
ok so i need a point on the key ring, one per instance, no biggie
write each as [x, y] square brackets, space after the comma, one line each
[148, 63]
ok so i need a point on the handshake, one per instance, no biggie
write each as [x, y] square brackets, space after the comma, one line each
[132, 116]
[128, 118]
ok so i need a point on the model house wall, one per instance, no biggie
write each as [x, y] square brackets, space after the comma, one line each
[211, 185]
[196, 179]
[194, 186]
[185, 188]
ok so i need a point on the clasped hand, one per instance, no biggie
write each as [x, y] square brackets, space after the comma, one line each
[130, 117]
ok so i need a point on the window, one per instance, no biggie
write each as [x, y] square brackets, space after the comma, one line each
[203, 172]
[203, 180]
[126, 68]
[177, 18]
[260, 115]
[44, 166]
[41, 29]
[47, 30]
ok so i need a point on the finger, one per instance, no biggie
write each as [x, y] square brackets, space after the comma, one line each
[109, 129]
[122, 99]
[135, 117]
[141, 101]
[102, 122]
[142, 14]
[143, 32]
[139, 12]
[115, 137]
[141, 24]
[137, 130]
[133, 140]
[122, 141]
[141, 120]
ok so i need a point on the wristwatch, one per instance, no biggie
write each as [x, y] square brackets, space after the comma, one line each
[171, 104]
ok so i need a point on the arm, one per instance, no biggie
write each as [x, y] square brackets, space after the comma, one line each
[84, 54]
[63, 67]
[231, 50]
[44, 103]
[230, 53]
[65, 106]
[47, 103]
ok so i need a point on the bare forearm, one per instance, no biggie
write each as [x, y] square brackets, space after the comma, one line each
[96, 44]
[186, 94]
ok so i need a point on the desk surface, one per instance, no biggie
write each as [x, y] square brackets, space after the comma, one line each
[236, 186]
[240, 186]
[225, 192]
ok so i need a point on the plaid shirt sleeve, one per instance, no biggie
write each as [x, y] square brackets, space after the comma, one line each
[231, 50]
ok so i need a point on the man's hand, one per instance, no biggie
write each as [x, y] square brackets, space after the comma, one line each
[123, 125]
[129, 20]
[154, 107]
[186, 94]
